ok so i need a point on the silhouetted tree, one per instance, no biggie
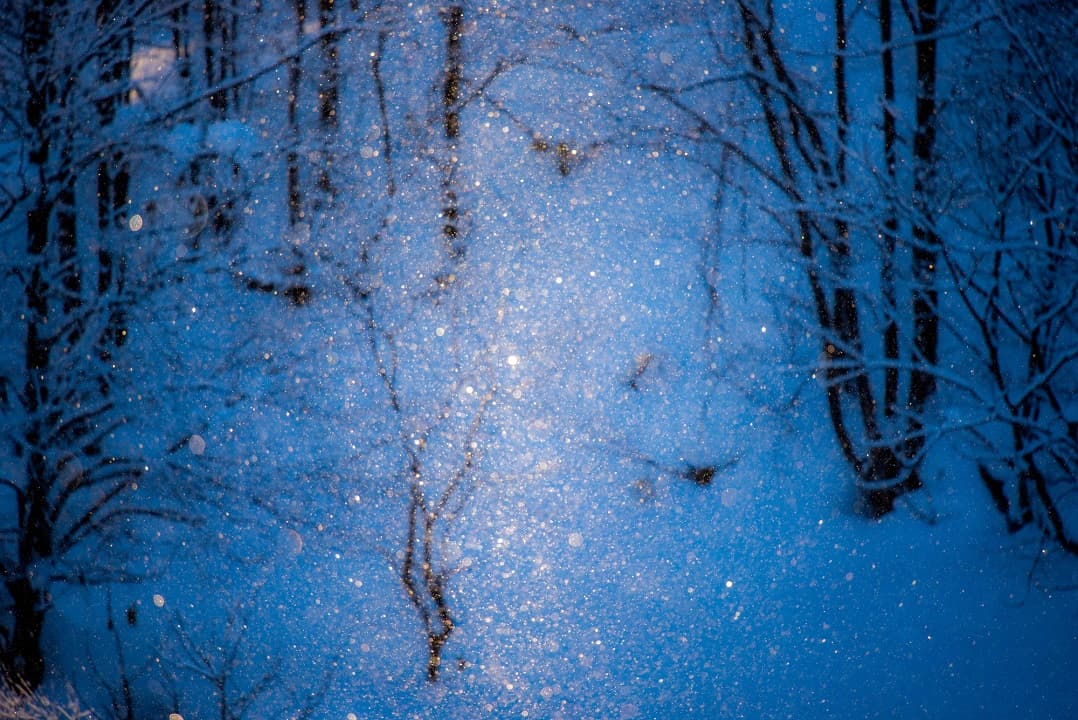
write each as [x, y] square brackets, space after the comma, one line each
[1017, 275]
[69, 489]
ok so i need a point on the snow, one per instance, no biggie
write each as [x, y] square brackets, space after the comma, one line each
[591, 576]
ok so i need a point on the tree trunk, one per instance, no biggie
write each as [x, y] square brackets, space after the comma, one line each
[884, 462]
[181, 46]
[453, 17]
[22, 660]
[50, 222]
[383, 113]
[113, 170]
[328, 101]
[113, 173]
[295, 79]
[926, 241]
[219, 20]
[890, 221]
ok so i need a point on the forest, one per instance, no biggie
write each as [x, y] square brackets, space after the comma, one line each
[509, 358]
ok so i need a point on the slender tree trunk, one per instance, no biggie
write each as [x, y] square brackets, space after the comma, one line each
[22, 660]
[113, 169]
[890, 220]
[328, 100]
[123, 707]
[453, 17]
[219, 27]
[181, 47]
[809, 167]
[329, 82]
[926, 241]
[295, 79]
[219, 52]
[883, 465]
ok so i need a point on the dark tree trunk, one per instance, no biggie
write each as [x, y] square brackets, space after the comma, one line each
[885, 467]
[50, 228]
[295, 79]
[21, 656]
[218, 29]
[926, 241]
[328, 101]
[179, 17]
[453, 17]
[113, 172]
[891, 346]
[329, 82]
[22, 660]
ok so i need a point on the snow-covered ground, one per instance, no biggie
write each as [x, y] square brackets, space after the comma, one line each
[593, 578]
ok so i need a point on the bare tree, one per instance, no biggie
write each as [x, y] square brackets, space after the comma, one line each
[74, 483]
[221, 663]
[1017, 276]
[423, 573]
[70, 491]
[873, 352]
[881, 440]
[435, 495]
[120, 689]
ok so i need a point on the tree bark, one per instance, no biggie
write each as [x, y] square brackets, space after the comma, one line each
[453, 17]
[113, 169]
[295, 79]
[885, 466]
[926, 241]
[219, 20]
[328, 100]
[22, 660]
[889, 238]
